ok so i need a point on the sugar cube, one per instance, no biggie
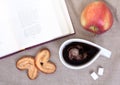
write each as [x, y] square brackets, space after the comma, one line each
[94, 75]
[100, 71]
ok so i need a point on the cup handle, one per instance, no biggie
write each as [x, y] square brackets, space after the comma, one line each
[105, 52]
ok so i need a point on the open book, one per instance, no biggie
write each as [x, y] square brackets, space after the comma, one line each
[25, 23]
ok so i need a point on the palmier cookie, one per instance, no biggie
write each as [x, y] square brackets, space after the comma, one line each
[42, 62]
[27, 63]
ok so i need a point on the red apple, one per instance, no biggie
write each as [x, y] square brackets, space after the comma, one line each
[96, 17]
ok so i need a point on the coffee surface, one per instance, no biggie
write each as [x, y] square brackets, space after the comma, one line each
[77, 53]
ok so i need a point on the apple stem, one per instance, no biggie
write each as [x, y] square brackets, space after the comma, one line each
[94, 30]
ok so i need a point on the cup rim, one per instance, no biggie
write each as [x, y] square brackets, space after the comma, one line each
[80, 66]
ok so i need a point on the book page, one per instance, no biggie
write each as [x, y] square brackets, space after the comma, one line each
[63, 16]
[7, 41]
[36, 21]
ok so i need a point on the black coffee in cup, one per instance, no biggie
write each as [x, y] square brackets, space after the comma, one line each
[78, 53]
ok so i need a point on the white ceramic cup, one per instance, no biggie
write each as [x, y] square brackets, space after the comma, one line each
[102, 51]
